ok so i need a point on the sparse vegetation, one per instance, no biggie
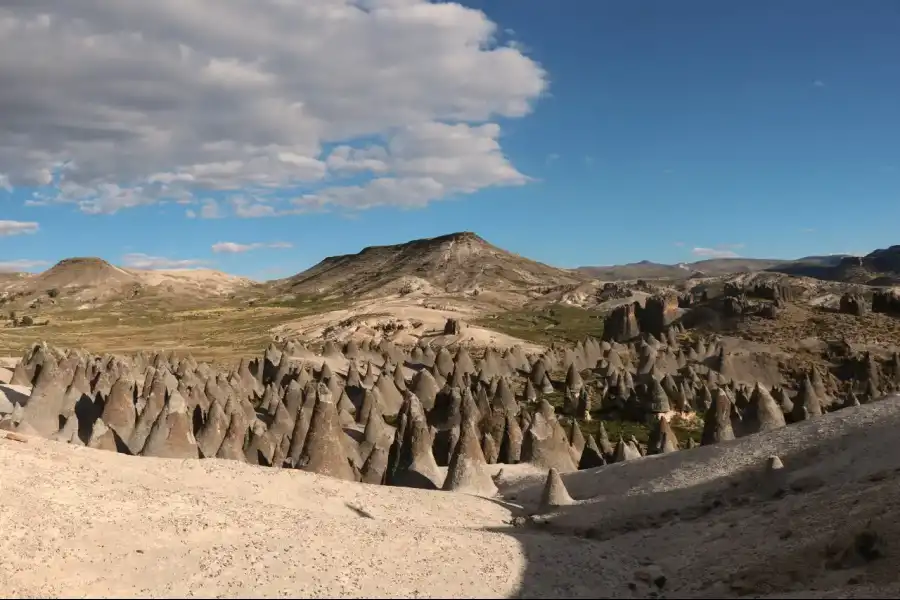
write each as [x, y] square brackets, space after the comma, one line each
[616, 427]
[556, 323]
[218, 334]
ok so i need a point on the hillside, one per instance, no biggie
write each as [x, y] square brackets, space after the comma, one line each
[880, 267]
[454, 263]
[94, 280]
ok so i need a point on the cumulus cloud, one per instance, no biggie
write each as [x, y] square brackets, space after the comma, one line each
[122, 104]
[8, 228]
[235, 248]
[138, 260]
[15, 266]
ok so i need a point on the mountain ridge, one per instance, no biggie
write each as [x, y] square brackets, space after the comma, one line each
[710, 267]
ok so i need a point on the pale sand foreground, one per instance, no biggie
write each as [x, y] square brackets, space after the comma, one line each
[79, 522]
[83, 522]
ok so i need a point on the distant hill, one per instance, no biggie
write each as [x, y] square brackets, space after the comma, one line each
[880, 267]
[703, 268]
[91, 280]
[821, 267]
[456, 262]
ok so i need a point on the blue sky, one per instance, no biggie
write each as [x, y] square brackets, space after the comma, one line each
[627, 130]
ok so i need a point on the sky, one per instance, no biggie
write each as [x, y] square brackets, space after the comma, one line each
[258, 137]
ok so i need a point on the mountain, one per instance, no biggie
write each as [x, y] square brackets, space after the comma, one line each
[880, 267]
[457, 262]
[90, 280]
[819, 267]
[703, 268]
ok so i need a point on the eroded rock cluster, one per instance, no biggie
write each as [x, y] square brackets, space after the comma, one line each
[423, 417]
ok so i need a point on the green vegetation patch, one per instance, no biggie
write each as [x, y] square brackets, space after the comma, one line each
[556, 323]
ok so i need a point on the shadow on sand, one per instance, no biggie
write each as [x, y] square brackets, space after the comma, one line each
[747, 532]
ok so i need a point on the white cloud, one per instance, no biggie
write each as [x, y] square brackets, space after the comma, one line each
[137, 260]
[235, 248]
[208, 210]
[9, 228]
[4, 183]
[15, 266]
[425, 162]
[551, 158]
[819, 83]
[720, 252]
[124, 104]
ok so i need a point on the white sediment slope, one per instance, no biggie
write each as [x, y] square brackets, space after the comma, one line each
[708, 522]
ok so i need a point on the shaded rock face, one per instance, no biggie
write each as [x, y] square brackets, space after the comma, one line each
[659, 312]
[853, 304]
[454, 327]
[621, 325]
[886, 301]
[734, 306]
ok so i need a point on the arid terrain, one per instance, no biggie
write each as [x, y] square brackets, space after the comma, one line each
[445, 418]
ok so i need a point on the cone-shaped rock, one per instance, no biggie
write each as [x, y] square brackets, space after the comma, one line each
[301, 429]
[323, 450]
[444, 362]
[119, 413]
[425, 388]
[764, 414]
[546, 445]
[807, 404]
[662, 438]
[210, 438]
[415, 466]
[555, 493]
[468, 469]
[102, 437]
[659, 400]
[463, 361]
[391, 398]
[574, 381]
[172, 435]
[591, 456]
[717, 422]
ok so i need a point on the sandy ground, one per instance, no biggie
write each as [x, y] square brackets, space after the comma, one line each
[82, 522]
[710, 521]
[411, 319]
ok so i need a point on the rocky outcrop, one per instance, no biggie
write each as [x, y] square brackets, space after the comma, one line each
[658, 313]
[853, 304]
[454, 327]
[621, 325]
